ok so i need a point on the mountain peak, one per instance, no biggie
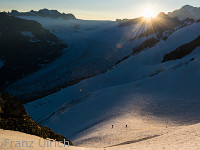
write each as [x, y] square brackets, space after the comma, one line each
[162, 15]
[187, 6]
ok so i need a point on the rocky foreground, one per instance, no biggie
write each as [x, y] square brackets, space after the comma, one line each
[14, 117]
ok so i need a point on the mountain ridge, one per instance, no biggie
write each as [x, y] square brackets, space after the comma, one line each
[43, 13]
[186, 11]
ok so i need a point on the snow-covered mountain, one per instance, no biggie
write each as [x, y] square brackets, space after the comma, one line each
[141, 91]
[94, 47]
[186, 11]
[117, 82]
[140, 86]
[43, 13]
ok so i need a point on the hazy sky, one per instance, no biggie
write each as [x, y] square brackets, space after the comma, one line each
[98, 9]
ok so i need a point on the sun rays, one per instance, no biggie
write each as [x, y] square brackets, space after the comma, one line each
[148, 13]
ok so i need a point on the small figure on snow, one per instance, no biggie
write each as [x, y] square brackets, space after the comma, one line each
[112, 126]
[126, 126]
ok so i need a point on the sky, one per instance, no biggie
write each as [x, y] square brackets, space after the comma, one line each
[99, 9]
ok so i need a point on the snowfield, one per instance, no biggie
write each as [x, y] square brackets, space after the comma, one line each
[34, 144]
[28, 34]
[176, 138]
[150, 97]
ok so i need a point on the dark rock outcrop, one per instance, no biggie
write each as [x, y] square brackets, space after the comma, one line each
[24, 46]
[182, 51]
[13, 116]
[146, 44]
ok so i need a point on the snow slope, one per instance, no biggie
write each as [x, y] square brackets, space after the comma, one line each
[93, 47]
[20, 137]
[138, 92]
[177, 138]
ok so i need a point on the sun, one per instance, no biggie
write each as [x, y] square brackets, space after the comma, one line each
[148, 13]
